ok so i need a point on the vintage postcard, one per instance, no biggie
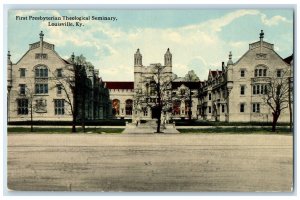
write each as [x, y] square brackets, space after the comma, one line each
[157, 100]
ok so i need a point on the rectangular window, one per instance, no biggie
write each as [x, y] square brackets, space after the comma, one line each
[209, 109]
[265, 72]
[223, 108]
[242, 73]
[41, 88]
[209, 96]
[242, 90]
[260, 72]
[279, 73]
[255, 72]
[242, 107]
[41, 56]
[262, 89]
[256, 107]
[59, 73]
[22, 89]
[41, 73]
[59, 106]
[257, 89]
[59, 89]
[22, 72]
[254, 89]
[22, 106]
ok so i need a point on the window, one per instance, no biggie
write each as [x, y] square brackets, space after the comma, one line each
[260, 71]
[22, 89]
[59, 73]
[242, 73]
[59, 106]
[242, 90]
[209, 109]
[259, 89]
[265, 72]
[41, 72]
[279, 73]
[256, 107]
[41, 88]
[59, 89]
[41, 56]
[22, 106]
[22, 72]
[145, 112]
[209, 96]
[128, 107]
[223, 108]
[242, 107]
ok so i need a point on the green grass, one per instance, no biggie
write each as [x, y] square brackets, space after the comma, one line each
[236, 130]
[64, 130]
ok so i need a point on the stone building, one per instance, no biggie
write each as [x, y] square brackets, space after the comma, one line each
[236, 92]
[42, 83]
[129, 99]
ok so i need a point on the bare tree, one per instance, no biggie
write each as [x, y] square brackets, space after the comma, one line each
[159, 97]
[72, 80]
[277, 95]
[34, 104]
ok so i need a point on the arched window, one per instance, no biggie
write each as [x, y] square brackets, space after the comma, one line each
[147, 89]
[116, 106]
[128, 107]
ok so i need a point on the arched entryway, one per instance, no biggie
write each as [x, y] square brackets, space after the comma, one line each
[116, 107]
[128, 107]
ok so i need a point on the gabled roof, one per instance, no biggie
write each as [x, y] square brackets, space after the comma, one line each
[190, 85]
[214, 73]
[119, 85]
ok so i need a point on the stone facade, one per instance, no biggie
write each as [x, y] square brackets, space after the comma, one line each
[124, 94]
[40, 84]
[235, 93]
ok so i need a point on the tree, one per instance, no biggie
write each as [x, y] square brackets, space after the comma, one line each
[191, 76]
[73, 82]
[157, 94]
[33, 103]
[277, 95]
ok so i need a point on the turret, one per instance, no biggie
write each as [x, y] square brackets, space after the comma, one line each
[230, 72]
[138, 58]
[168, 58]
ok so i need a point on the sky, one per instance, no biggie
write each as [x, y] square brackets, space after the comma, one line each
[198, 39]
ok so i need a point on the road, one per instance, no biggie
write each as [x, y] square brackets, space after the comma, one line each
[123, 162]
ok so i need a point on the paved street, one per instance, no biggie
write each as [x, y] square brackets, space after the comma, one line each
[179, 162]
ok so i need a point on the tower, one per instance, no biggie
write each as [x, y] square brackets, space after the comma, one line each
[168, 63]
[138, 58]
[168, 58]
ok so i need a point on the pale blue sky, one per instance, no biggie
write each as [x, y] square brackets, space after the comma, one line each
[198, 39]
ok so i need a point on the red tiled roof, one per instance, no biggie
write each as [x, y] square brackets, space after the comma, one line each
[119, 85]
